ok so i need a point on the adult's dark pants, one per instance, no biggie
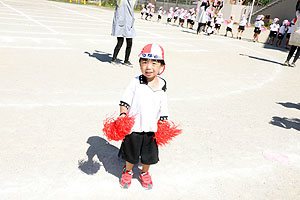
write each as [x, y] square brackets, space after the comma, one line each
[291, 53]
[199, 27]
[119, 45]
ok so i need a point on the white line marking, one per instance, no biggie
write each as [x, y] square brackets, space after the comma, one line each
[29, 18]
[36, 48]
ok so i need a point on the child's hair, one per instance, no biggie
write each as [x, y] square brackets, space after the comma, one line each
[162, 62]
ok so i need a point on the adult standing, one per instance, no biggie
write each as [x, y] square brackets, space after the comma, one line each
[123, 27]
[294, 39]
[202, 15]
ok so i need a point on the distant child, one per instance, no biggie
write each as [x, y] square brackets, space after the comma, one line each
[210, 23]
[176, 14]
[193, 19]
[259, 24]
[288, 34]
[181, 17]
[274, 28]
[241, 28]
[143, 11]
[229, 26]
[282, 31]
[170, 15]
[148, 10]
[218, 21]
[152, 10]
[159, 14]
[188, 18]
[146, 99]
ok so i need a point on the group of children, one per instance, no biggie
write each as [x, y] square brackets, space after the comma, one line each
[278, 31]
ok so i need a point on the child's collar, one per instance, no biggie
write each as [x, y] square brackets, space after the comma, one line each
[143, 80]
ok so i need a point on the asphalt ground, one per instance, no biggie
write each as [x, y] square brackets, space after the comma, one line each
[237, 105]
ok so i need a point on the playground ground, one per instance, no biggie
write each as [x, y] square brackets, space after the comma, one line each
[237, 105]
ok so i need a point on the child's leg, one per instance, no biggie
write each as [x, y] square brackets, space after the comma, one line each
[145, 168]
[129, 166]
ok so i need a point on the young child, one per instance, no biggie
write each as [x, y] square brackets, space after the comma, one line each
[152, 10]
[146, 99]
[282, 31]
[148, 10]
[274, 27]
[288, 34]
[159, 14]
[218, 21]
[170, 15]
[193, 19]
[143, 11]
[188, 18]
[229, 26]
[241, 27]
[176, 14]
[259, 23]
[181, 17]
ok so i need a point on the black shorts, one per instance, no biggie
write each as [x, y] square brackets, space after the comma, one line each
[159, 17]
[229, 29]
[169, 20]
[147, 14]
[188, 21]
[175, 18]
[257, 30]
[217, 26]
[242, 28]
[139, 145]
[280, 36]
[288, 35]
[273, 34]
[192, 22]
[208, 23]
[181, 20]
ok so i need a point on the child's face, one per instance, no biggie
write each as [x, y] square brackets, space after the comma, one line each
[150, 68]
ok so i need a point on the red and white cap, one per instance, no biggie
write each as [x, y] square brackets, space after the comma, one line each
[152, 51]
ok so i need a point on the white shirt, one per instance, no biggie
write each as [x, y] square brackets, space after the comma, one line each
[259, 24]
[290, 28]
[148, 105]
[170, 14]
[282, 29]
[230, 24]
[159, 12]
[243, 22]
[219, 20]
[274, 27]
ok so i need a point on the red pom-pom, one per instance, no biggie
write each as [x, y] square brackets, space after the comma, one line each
[166, 131]
[117, 129]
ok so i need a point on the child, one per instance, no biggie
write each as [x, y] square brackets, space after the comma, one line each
[288, 34]
[143, 11]
[149, 6]
[282, 31]
[229, 26]
[152, 10]
[188, 17]
[218, 21]
[258, 25]
[146, 99]
[181, 17]
[176, 14]
[193, 18]
[241, 27]
[170, 15]
[159, 14]
[274, 27]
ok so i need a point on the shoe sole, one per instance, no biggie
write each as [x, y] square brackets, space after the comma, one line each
[125, 186]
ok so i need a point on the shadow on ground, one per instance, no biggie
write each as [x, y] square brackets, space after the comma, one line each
[286, 123]
[101, 56]
[290, 105]
[262, 59]
[107, 155]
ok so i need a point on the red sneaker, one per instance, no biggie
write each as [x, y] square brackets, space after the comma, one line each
[146, 180]
[126, 179]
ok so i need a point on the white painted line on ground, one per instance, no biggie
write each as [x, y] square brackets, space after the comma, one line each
[35, 39]
[29, 18]
[75, 104]
[36, 48]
